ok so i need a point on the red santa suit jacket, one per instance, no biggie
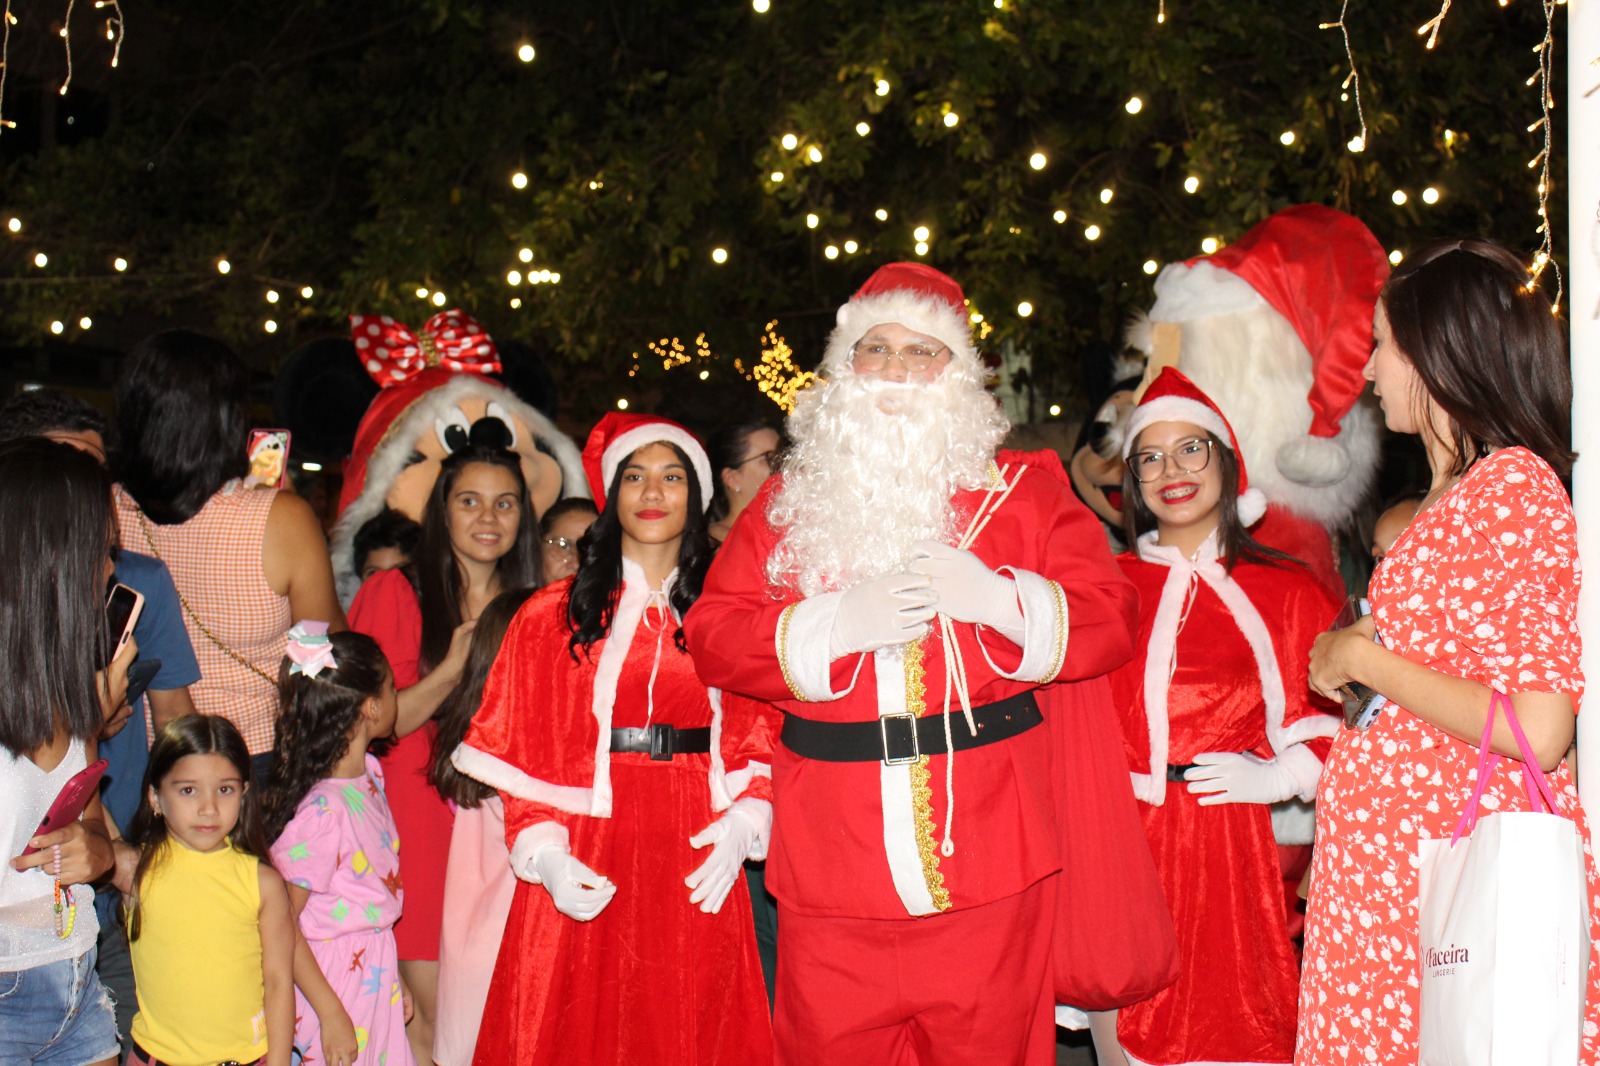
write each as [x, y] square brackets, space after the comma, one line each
[863, 839]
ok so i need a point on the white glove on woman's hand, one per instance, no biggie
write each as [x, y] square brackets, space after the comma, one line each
[1240, 777]
[577, 891]
[739, 834]
[893, 609]
[968, 590]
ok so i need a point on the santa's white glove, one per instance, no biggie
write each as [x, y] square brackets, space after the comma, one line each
[968, 590]
[1239, 777]
[894, 609]
[741, 833]
[577, 891]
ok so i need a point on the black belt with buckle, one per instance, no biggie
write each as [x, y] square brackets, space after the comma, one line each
[662, 742]
[903, 738]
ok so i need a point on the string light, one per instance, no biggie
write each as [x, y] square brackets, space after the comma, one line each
[525, 254]
[1106, 195]
[1091, 232]
[1060, 215]
[438, 299]
[41, 260]
[776, 375]
[704, 374]
[306, 292]
[1395, 257]
[812, 221]
[921, 233]
[272, 296]
[1133, 106]
[66, 43]
[1430, 195]
[519, 180]
[921, 248]
[881, 214]
[1024, 309]
[514, 277]
[761, 7]
[57, 326]
[1038, 161]
[951, 119]
[1151, 266]
[525, 53]
[14, 225]
[1191, 184]
[882, 87]
[814, 154]
[270, 326]
[1352, 81]
[119, 264]
[7, 21]
[1431, 27]
[1161, 12]
[1208, 245]
[1055, 410]
[831, 251]
[776, 176]
[622, 404]
[1544, 256]
[790, 142]
[719, 256]
[516, 302]
[1399, 197]
[850, 247]
[863, 128]
[85, 322]
[223, 266]
[1286, 138]
[422, 293]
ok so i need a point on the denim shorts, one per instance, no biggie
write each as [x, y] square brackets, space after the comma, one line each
[57, 1014]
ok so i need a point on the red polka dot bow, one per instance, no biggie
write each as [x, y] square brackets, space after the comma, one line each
[450, 339]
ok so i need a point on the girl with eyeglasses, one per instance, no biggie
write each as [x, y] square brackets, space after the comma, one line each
[744, 457]
[1219, 724]
[561, 528]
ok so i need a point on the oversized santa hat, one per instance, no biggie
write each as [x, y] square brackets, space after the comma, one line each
[1172, 397]
[620, 434]
[422, 377]
[913, 295]
[1319, 268]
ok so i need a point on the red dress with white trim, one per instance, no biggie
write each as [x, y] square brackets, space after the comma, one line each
[651, 979]
[1221, 668]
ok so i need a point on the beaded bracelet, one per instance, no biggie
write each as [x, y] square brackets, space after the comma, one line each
[66, 916]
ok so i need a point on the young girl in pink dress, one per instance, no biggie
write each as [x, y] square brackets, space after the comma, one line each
[1479, 593]
[335, 843]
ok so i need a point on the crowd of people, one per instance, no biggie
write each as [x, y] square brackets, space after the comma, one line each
[662, 768]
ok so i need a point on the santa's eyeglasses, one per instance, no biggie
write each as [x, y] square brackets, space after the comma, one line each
[1190, 456]
[870, 356]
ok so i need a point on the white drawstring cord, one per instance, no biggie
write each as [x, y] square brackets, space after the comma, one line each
[655, 598]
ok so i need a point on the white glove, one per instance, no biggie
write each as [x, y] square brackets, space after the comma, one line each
[968, 590]
[577, 891]
[740, 833]
[1239, 777]
[894, 609]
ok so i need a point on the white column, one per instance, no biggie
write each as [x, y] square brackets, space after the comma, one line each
[1583, 308]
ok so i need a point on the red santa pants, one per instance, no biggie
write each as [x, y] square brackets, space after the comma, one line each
[965, 988]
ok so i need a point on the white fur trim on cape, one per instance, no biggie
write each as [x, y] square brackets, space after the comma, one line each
[625, 444]
[393, 455]
[1161, 653]
[927, 315]
[804, 645]
[1044, 628]
[502, 776]
[1185, 293]
[533, 840]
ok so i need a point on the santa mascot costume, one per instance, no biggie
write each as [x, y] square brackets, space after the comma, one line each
[1276, 329]
[434, 390]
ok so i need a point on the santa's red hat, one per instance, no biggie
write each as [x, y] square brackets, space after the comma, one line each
[913, 295]
[1172, 397]
[1319, 268]
[619, 434]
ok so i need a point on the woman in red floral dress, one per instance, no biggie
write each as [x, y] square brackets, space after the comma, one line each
[1478, 594]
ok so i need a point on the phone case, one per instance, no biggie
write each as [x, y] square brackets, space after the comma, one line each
[71, 800]
[269, 457]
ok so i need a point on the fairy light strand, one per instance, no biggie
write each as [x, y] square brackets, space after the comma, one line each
[7, 21]
[1545, 256]
[1352, 81]
[66, 43]
[116, 30]
[1431, 27]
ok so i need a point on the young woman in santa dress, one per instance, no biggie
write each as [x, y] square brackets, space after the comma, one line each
[630, 935]
[479, 539]
[1479, 593]
[1218, 724]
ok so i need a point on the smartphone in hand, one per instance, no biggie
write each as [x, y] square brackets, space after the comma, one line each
[1361, 704]
[123, 608]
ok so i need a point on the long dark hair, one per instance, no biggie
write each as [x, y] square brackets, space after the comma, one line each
[1234, 543]
[592, 600]
[315, 716]
[1487, 348]
[54, 542]
[181, 419]
[439, 571]
[726, 450]
[193, 734]
[454, 716]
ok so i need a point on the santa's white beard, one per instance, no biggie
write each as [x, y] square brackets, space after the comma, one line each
[870, 471]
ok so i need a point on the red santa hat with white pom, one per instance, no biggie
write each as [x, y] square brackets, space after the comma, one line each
[619, 434]
[1172, 397]
[913, 295]
[1319, 268]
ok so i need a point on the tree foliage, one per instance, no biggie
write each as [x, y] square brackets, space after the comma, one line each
[366, 149]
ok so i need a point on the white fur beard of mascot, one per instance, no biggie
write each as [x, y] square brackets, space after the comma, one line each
[434, 398]
[873, 464]
[1276, 329]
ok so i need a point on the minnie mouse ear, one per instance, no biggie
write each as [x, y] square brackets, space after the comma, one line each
[524, 372]
[320, 394]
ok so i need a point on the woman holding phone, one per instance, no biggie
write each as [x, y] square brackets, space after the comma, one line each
[55, 559]
[1479, 593]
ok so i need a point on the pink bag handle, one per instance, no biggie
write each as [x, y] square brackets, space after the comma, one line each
[1540, 798]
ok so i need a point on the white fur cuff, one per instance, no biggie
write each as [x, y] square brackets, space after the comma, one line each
[533, 840]
[1044, 628]
[802, 640]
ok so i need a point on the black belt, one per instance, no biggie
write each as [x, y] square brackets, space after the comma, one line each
[903, 738]
[1175, 771]
[151, 1060]
[662, 742]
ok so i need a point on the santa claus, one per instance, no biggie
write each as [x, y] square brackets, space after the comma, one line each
[1275, 328]
[905, 597]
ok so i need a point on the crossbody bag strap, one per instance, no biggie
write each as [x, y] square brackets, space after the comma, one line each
[144, 526]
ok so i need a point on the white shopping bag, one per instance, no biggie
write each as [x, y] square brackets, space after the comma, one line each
[1504, 942]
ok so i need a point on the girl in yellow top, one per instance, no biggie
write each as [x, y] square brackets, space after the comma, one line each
[208, 924]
